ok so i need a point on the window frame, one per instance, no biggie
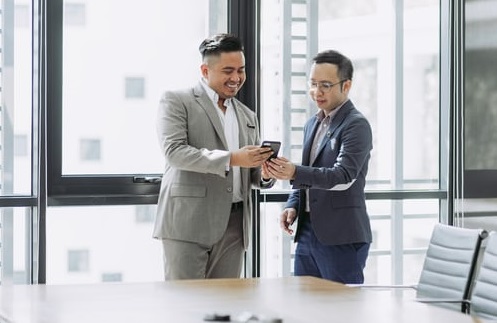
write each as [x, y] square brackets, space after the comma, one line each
[106, 189]
[69, 189]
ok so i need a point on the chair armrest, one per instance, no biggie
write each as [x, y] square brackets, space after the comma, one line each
[440, 300]
[382, 286]
[465, 303]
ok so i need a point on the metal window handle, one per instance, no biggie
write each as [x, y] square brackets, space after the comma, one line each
[147, 179]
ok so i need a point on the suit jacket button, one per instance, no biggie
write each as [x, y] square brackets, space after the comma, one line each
[230, 189]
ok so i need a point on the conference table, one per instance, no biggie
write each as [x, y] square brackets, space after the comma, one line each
[287, 300]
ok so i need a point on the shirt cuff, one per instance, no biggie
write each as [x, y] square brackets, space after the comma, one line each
[267, 183]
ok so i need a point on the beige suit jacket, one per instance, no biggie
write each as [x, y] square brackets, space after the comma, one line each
[196, 194]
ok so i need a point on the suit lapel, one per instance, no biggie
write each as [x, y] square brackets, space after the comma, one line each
[242, 124]
[210, 110]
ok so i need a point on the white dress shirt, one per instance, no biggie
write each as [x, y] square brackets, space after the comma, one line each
[231, 134]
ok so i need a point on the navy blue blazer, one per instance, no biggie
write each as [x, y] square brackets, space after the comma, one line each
[336, 179]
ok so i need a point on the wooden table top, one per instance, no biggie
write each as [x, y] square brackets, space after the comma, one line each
[292, 299]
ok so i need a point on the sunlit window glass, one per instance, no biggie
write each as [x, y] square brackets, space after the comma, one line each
[21, 145]
[74, 14]
[22, 16]
[85, 247]
[118, 59]
[16, 97]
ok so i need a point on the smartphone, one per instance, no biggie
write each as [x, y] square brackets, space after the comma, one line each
[275, 147]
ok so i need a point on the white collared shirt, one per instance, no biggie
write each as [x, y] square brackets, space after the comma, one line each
[231, 134]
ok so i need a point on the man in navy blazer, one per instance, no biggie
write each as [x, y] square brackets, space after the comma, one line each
[333, 230]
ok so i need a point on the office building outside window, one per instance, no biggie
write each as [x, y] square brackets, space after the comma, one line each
[78, 261]
[90, 149]
[135, 87]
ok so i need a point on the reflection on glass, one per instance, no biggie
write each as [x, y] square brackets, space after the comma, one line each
[479, 152]
[480, 108]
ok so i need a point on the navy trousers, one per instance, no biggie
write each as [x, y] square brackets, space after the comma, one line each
[339, 263]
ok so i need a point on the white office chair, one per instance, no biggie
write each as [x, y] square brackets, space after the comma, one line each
[483, 301]
[449, 265]
[450, 262]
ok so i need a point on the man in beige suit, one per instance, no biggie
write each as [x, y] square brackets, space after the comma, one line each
[210, 142]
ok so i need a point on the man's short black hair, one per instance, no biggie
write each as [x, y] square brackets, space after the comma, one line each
[221, 43]
[345, 68]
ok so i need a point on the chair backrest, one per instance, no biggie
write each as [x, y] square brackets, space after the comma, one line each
[450, 262]
[484, 294]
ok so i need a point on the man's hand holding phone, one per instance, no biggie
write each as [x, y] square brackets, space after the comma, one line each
[281, 168]
[274, 145]
[250, 156]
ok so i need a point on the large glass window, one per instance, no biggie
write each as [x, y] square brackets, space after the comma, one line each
[111, 44]
[17, 133]
[16, 72]
[117, 60]
[107, 63]
[101, 243]
[394, 46]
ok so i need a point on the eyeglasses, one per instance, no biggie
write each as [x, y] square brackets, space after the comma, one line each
[323, 86]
